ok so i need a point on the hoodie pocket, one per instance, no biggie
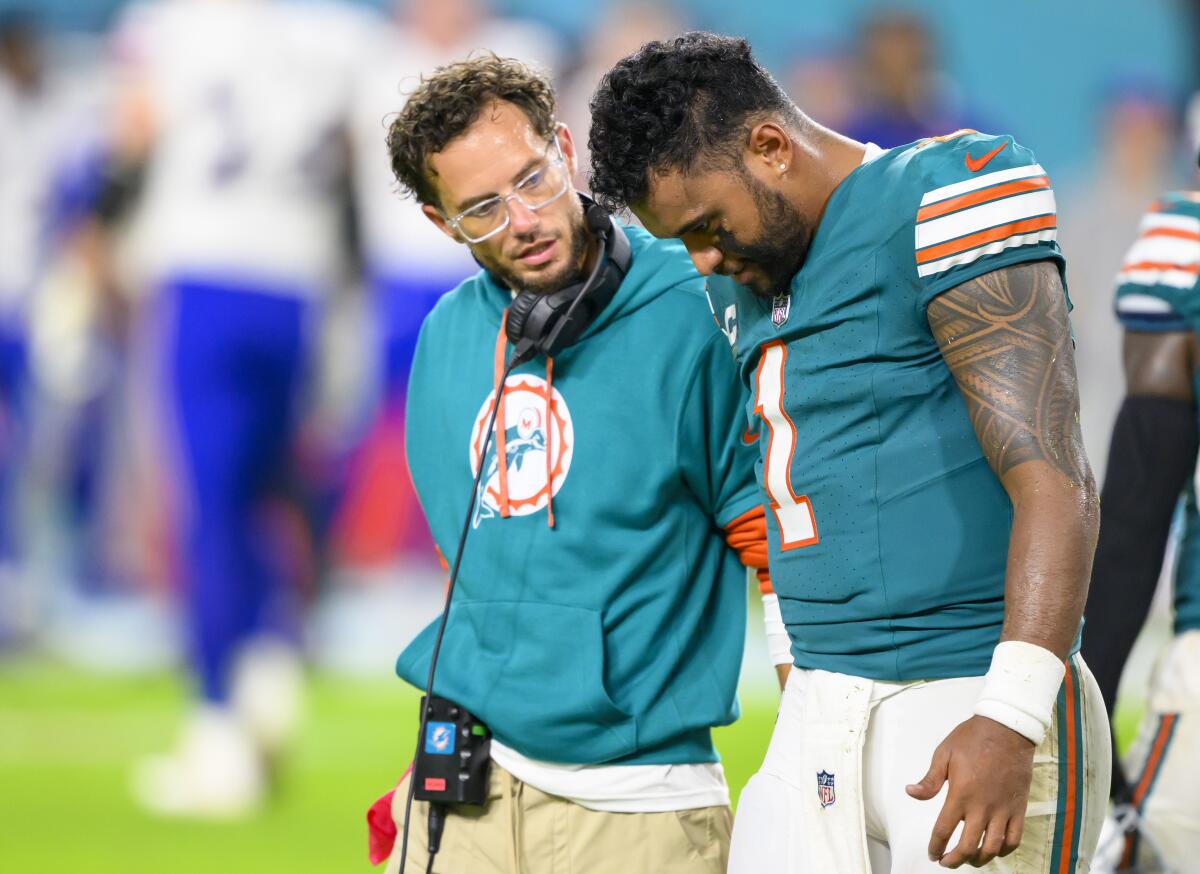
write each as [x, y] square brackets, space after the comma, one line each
[534, 672]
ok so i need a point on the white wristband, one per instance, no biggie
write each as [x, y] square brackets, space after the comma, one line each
[1021, 687]
[779, 645]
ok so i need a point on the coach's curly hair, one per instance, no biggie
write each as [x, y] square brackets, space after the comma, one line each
[676, 105]
[449, 101]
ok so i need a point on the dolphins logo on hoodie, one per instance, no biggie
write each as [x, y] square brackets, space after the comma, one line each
[538, 444]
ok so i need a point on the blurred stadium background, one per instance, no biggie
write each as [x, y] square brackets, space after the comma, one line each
[91, 654]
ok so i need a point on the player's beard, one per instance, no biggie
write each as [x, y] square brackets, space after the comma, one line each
[544, 282]
[780, 248]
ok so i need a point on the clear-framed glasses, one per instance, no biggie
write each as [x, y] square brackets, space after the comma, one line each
[546, 184]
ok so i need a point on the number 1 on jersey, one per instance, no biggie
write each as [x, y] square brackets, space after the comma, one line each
[793, 513]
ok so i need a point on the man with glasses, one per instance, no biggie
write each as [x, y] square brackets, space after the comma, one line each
[597, 625]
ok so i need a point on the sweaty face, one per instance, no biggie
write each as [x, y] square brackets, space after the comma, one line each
[540, 250]
[732, 223]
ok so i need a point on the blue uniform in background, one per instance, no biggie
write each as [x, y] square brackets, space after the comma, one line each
[236, 354]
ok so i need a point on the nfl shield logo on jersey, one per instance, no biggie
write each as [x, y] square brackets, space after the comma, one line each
[781, 308]
[825, 790]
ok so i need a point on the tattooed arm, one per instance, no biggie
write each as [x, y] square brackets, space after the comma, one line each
[1006, 339]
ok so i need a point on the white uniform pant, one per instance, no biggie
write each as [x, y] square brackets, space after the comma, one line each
[830, 794]
[1164, 762]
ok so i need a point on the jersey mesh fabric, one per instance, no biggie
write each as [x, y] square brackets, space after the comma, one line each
[904, 578]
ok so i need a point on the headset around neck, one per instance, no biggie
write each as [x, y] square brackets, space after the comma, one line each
[546, 323]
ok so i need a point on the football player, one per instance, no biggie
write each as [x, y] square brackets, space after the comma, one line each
[1151, 468]
[903, 331]
[229, 141]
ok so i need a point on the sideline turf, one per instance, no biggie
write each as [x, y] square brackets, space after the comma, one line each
[67, 741]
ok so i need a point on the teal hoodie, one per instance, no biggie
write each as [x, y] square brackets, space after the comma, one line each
[611, 630]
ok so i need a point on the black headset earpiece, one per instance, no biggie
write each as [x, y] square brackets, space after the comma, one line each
[545, 324]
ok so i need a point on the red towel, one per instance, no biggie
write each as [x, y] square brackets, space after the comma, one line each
[381, 826]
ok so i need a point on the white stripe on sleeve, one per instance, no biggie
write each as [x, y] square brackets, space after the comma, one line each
[983, 181]
[993, 248]
[1171, 278]
[1169, 221]
[1164, 250]
[1143, 304]
[984, 216]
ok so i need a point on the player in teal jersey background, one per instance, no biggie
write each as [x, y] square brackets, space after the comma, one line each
[902, 328]
[1151, 469]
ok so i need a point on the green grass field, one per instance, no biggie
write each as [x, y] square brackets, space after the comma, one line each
[67, 742]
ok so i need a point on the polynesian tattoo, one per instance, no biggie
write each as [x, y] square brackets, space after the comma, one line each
[1007, 340]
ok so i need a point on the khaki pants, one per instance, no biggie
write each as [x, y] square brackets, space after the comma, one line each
[521, 830]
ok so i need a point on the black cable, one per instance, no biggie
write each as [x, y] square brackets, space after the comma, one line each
[520, 354]
[437, 822]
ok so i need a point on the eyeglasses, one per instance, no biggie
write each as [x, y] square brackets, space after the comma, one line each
[539, 189]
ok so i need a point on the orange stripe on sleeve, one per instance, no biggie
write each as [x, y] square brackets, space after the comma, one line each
[983, 195]
[1162, 265]
[1170, 232]
[962, 244]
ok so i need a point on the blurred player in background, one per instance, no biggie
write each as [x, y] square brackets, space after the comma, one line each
[1137, 136]
[29, 142]
[902, 327]
[408, 264]
[902, 96]
[1151, 469]
[230, 143]
[50, 121]
[624, 25]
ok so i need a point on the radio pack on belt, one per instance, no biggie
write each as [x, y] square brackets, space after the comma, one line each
[452, 763]
[453, 747]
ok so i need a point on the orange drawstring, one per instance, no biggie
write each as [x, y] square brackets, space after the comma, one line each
[549, 437]
[501, 443]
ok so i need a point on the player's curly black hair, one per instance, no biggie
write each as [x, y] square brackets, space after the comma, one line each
[675, 105]
[449, 101]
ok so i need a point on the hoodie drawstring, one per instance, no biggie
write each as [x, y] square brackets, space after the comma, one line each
[501, 429]
[549, 438]
[501, 444]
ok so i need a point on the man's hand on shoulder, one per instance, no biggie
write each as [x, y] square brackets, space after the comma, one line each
[989, 767]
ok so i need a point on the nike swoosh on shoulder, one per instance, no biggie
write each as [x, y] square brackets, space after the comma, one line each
[750, 437]
[977, 164]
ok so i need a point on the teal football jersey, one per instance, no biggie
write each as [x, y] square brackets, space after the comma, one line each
[1158, 290]
[888, 531]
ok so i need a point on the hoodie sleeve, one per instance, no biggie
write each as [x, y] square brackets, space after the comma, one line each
[713, 451]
